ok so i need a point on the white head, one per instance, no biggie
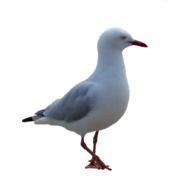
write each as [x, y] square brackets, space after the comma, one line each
[117, 39]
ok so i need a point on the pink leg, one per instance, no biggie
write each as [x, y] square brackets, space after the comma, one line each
[93, 163]
[95, 139]
[98, 163]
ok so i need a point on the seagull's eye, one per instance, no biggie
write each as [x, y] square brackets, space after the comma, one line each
[123, 37]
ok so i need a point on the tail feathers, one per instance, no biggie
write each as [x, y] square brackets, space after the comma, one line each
[28, 119]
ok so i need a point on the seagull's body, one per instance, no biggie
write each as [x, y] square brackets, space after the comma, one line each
[99, 101]
[106, 107]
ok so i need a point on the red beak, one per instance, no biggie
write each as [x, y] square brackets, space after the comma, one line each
[138, 43]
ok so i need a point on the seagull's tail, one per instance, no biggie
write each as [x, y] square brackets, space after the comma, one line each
[37, 116]
[28, 119]
[32, 118]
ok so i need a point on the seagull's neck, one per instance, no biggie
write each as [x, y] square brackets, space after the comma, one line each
[110, 66]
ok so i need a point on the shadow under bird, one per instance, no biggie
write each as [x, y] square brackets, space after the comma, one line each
[97, 102]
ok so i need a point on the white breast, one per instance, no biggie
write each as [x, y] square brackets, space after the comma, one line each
[114, 101]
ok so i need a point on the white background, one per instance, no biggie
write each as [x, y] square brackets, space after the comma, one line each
[48, 46]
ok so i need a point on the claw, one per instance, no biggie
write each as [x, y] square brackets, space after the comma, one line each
[93, 164]
[97, 164]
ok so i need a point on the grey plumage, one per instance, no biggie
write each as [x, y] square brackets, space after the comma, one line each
[76, 104]
[40, 113]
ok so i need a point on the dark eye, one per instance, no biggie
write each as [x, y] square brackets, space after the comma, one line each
[123, 37]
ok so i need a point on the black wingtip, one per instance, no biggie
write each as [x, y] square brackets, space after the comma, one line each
[28, 119]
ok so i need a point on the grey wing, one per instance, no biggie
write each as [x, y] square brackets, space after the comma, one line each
[75, 105]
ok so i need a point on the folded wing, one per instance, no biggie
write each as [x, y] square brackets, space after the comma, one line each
[75, 105]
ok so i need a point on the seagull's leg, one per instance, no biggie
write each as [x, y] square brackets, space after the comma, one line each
[99, 163]
[92, 161]
[95, 139]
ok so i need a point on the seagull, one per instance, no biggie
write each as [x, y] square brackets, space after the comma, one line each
[97, 102]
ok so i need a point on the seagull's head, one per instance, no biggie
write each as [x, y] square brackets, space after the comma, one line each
[118, 39]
